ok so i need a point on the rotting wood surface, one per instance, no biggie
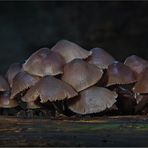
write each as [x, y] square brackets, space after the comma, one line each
[100, 131]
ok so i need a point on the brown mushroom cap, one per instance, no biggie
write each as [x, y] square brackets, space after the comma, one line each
[49, 88]
[4, 85]
[119, 73]
[92, 100]
[21, 82]
[100, 58]
[142, 84]
[81, 74]
[12, 71]
[44, 62]
[70, 50]
[6, 102]
[136, 63]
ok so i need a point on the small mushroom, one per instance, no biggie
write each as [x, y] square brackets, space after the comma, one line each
[13, 70]
[100, 58]
[44, 62]
[125, 102]
[6, 102]
[93, 100]
[70, 50]
[21, 82]
[136, 63]
[49, 88]
[119, 73]
[81, 74]
[4, 85]
[141, 86]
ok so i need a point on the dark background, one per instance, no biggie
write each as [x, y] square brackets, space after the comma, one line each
[119, 27]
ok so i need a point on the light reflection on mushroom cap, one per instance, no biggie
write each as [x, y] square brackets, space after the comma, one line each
[44, 62]
[119, 73]
[4, 85]
[49, 88]
[70, 50]
[93, 100]
[136, 63]
[13, 70]
[100, 58]
[81, 74]
[142, 84]
[6, 102]
[21, 82]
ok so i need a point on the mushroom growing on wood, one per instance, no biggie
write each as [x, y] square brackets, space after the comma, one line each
[13, 70]
[93, 100]
[81, 74]
[22, 82]
[49, 88]
[70, 50]
[44, 62]
[100, 58]
[136, 63]
[6, 102]
[141, 86]
[125, 102]
[119, 73]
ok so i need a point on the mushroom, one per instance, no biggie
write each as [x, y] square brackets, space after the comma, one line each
[92, 100]
[6, 102]
[49, 88]
[21, 82]
[81, 74]
[136, 63]
[4, 85]
[13, 70]
[100, 58]
[44, 62]
[125, 101]
[70, 50]
[141, 86]
[119, 73]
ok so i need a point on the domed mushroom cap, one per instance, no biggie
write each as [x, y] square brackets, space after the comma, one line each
[13, 70]
[81, 74]
[49, 88]
[4, 85]
[100, 58]
[44, 62]
[142, 84]
[6, 102]
[70, 50]
[136, 63]
[92, 100]
[21, 82]
[119, 73]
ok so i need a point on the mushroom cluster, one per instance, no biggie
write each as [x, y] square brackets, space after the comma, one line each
[68, 77]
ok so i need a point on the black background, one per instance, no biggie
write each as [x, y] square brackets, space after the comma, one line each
[119, 27]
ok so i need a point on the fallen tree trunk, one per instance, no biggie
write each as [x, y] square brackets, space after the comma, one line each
[103, 131]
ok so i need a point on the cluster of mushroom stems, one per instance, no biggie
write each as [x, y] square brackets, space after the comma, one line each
[87, 81]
